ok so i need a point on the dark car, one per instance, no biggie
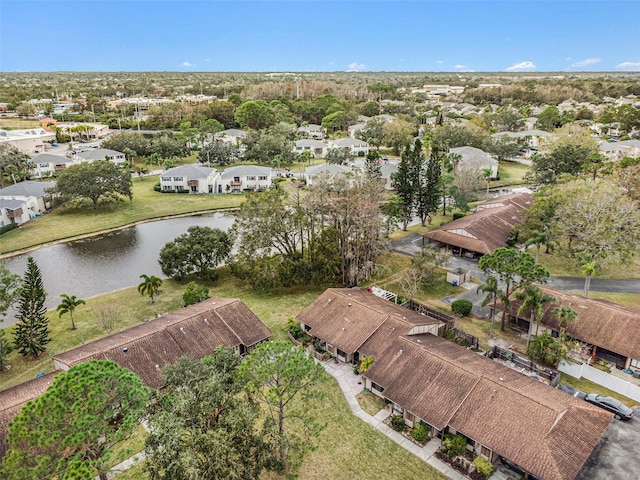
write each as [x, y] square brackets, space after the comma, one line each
[517, 468]
[574, 392]
[621, 411]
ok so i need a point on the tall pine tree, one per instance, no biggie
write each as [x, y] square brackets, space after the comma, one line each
[428, 185]
[31, 334]
[405, 179]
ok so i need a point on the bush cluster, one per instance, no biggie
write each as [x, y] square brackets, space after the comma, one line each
[461, 307]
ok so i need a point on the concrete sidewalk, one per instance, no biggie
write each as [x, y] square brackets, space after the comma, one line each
[351, 385]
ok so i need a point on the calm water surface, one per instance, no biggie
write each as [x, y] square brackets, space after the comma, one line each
[109, 262]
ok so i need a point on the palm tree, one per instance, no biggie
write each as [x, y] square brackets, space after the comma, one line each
[588, 265]
[68, 305]
[565, 315]
[533, 299]
[150, 285]
[490, 287]
[538, 239]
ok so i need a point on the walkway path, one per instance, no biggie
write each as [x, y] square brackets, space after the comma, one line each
[351, 385]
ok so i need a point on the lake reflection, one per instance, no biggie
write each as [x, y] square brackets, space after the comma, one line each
[109, 262]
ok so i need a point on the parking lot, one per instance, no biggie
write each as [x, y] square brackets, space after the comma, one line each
[617, 456]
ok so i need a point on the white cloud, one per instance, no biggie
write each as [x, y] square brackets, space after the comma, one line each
[459, 67]
[187, 64]
[586, 62]
[628, 66]
[439, 62]
[521, 67]
[356, 67]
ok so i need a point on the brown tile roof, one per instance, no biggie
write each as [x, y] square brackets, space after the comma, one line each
[346, 318]
[514, 415]
[195, 330]
[488, 228]
[601, 323]
[14, 398]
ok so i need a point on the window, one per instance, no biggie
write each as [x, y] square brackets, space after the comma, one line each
[410, 417]
[44, 165]
[377, 387]
[398, 408]
[177, 179]
[251, 177]
[236, 179]
[166, 179]
[485, 451]
[262, 177]
[341, 353]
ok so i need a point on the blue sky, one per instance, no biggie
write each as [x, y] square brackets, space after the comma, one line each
[302, 35]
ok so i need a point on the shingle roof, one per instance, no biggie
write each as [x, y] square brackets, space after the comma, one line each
[51, 158]
[349, 142]
[195, 330]
[330, 168]
[445, 384]
[190, 172]
[347, 318]
[488, 228]
[474, 156]
[12, 204]
[27, 188]
[98, 154]
[14, 398]
[607, 325]
[309, 142]
[243, 170]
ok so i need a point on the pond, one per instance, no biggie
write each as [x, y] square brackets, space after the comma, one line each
[101, 264]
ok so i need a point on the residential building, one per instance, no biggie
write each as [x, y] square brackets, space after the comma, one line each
[529, 138]
[387, 170]
[311, 131]
[191, 178]
[354, 146]
[614, 151]
[28, 141]
[102, 154]
[633, 145]
[47, 164]
[24, 201]
[325, 169]
[317, 148]
[472, 157]
[354, 129]
[486, 229]
[427, 379]
[244, 178]
[231, 135]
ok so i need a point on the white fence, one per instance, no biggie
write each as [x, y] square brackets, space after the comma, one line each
[601, 378]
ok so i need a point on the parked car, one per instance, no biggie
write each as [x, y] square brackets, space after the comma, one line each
[574, 392]
[517, 468]
[621, 411]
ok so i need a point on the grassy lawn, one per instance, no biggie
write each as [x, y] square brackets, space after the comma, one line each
[631, 300]
[369, 402]
[511, 173]
[564, 266]
[65, 223]
[18, 123]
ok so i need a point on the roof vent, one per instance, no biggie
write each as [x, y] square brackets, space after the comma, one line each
[501, 379]
[404, 318]
[213, 303]
[349, 303]
[419, 341]
[125, 349]
[157, 366]
[343, 329]
[182, 329]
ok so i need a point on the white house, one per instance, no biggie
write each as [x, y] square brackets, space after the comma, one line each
[28, 141]
[46, 164]
[194, 178]
[477, 159]
[614, 150]
[244, 178]
[351, 145]
[102, 154]
[317, 148]
[325, 169]
[633, 145]
[530, 138]
[386, 173]
[354, 129]
[24, 201]
[311, 131]
[231, 135]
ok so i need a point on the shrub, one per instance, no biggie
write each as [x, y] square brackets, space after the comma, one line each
[397, 423]
[356, 369]
[6, 228]
[420, 432]
[461, 307]
[294, 328]
[458, 215]
[365, 364]
[194, 293]
[454, 445]
[483, 466]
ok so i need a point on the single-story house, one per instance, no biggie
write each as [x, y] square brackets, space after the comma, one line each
[634, 146]
[485, 230]
[194, 178]
[244, 178]
[14, 398]
[311, 131]
[33, 196]
[325, 169]
[28, 141]
[195, 330]
[46, 164]
[317, 148]
[614, 151]
[530, 138]
[231, 135]
[454, 390]
[354, 129]
[612, 331]
[477, 159]
[352, 145]
[102, 154]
